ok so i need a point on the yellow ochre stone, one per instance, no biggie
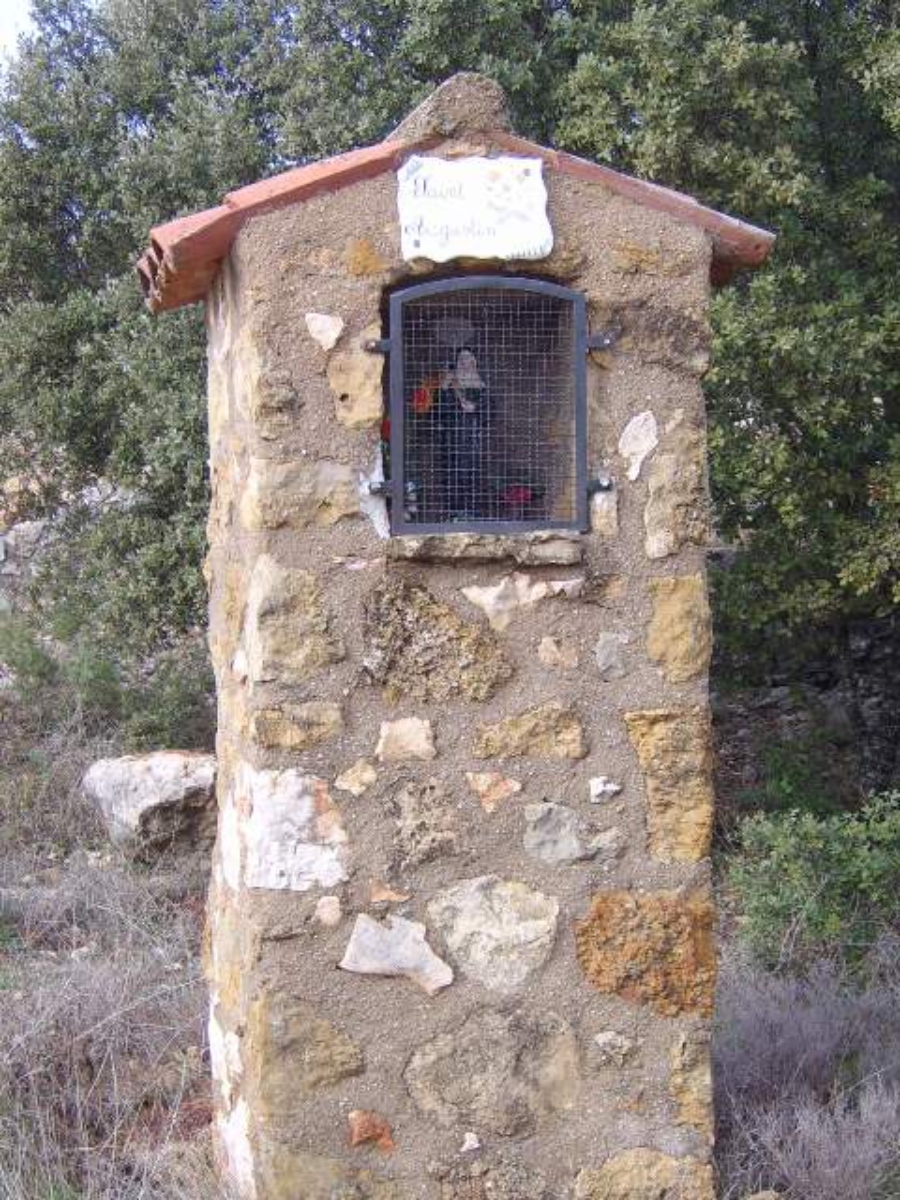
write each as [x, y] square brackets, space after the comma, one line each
[288, 634]
[549, 731]
[679, 637]
[690, 1082]
[675, 752]
[354, 376]
[297, 494]
[296, 726]
[290, 1051]
[652, 948]
[644, 1174]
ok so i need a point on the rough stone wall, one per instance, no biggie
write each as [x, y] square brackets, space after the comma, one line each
[460, 923]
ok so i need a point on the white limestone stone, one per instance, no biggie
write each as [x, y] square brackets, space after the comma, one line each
[639, 438]
[500, 601]
[293, 834]
[405, 739]
[324, 329]
[498, 931]
[396, 947]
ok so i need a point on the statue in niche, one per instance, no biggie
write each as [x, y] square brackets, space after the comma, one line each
[462, 421]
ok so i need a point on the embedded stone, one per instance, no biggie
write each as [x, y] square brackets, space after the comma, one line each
[498, 932]
[395, 948]
[493, 1176]
[325, 330]
[382, 893]
[639, 438]
[612, 1048]
[601, 788]
[291, 1052]
[224, 1057]
[605, 514]
[293, 834]
[362, 259]
[690, 1082]
[232, 1140]
[679, 636]
[504, 1073]
[367, 1127]
[609, 653]
[288, 634]
[328, 911]
[286, 1173]
[500, 601]
[674, 748]
[549, 731]
[357, 779]
[492, 788]
[676, 510]
[294, 495]
[419, 648]
[644, 1174]
[463, 103]
[557, 652]
[426, 824]
[540, 548]
[406, 739]
[651, 948]
[296, 726]
[354, 376]
[556, 834]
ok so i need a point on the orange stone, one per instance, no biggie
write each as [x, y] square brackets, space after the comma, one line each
[655, 949]
[368, 1126]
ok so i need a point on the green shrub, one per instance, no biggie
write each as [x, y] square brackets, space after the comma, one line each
[810, 886]
[174, 707]
[796, 774]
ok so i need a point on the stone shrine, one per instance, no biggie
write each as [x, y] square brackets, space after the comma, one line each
[460, 925]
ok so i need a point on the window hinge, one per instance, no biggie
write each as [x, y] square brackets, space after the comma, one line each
[378, 345]
[602, 483]
[603, 340]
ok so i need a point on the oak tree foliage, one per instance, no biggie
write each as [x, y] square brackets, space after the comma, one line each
[118, 114]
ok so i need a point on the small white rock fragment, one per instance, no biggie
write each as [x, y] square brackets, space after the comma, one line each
[328, 911]
[408, 738]
[395, 948]
[609, 653]
[324, 329]
[499, 601]
[357, 779]
[602, 788]
[470, 1143]
[613, 1047]
[639, 438]
[556, 652]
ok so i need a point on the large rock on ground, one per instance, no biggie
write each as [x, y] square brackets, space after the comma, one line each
[644, 1174]
[152, 801]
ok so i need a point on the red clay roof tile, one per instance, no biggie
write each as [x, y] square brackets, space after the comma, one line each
[185, 254]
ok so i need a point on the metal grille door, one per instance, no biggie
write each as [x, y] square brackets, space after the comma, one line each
[487, 424]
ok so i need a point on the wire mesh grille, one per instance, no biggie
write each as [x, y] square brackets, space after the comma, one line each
[488, 408]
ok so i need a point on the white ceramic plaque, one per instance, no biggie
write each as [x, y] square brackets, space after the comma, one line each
[473, 208]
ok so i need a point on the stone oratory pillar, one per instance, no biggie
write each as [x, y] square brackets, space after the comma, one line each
[460, 924]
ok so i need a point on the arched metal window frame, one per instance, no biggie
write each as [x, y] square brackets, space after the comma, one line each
[396, 406]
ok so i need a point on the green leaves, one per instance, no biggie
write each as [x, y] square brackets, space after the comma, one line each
[813, 887]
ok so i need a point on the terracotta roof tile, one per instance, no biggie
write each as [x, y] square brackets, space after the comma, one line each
[185, 254]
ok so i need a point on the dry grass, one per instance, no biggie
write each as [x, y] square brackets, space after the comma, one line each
[103, 1072]
[808, 1082]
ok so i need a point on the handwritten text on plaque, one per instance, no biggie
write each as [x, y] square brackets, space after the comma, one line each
[473, 208]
